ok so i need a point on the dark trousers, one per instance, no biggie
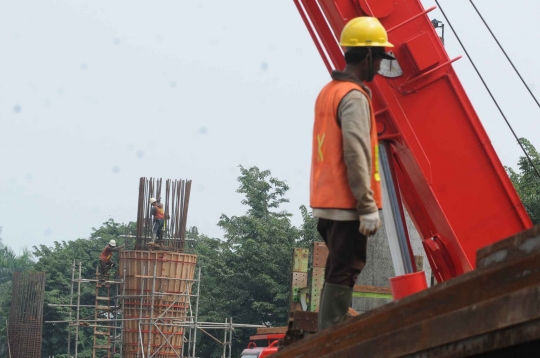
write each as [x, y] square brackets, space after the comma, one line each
[105, 266]
[346, 250]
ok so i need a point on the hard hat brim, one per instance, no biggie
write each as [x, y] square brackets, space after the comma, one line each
[365, 44]
[381, 52]
[387, 56]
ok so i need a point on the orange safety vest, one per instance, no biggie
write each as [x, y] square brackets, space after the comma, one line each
[106, 254]
[159, 213]
[329, 187]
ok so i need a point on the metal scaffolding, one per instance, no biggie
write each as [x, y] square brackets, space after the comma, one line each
[109, 319]
[152, 309]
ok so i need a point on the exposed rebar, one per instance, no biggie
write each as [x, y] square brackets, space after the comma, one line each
[71, 304]
[26, 314]
[175, 205]
[78, 310]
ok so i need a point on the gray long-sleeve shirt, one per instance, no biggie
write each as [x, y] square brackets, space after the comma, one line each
[355, 120]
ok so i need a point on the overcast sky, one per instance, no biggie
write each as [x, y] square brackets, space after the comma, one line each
[95, 94]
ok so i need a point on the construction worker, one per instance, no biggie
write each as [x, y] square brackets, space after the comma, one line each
[159, 217]
[345, 191]
[105, 262]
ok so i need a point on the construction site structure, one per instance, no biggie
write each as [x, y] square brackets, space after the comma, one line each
[24, 329]
[150, 308]
[308, 267]
[489, 312]
[436, 159]
[168, 277]
[159, 318]
[174, 198]
[106, 305]
[307, 280]
[437, 164]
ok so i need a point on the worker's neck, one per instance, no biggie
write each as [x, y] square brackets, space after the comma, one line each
[355, 71]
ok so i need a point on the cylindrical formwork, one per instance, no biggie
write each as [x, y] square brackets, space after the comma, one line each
[156, 287]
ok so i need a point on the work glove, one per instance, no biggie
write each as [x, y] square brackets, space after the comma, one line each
[369, 224]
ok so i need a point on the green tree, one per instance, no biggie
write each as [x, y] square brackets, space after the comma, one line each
[10, 262]
[251, 270]
[527, 182]
[308, 229]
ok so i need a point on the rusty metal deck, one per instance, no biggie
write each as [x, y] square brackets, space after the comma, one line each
[493, 311]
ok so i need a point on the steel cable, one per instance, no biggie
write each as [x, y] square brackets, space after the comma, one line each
[505, 54]
[489, 91]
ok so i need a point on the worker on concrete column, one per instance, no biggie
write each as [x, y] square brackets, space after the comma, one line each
[159, 216]
[105, 262]
[345, 191]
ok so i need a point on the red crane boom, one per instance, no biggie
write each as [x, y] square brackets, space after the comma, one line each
[448, 174]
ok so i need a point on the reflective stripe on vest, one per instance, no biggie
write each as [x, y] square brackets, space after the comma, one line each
[329, 187]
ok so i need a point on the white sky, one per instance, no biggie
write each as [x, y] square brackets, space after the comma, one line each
[95, 94]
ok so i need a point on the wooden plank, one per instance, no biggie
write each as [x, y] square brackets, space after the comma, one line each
[513, 248]
[272, 330]
[372, 289]
[487, 316]
[460, 292]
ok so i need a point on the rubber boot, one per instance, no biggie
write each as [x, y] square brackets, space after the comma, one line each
[335, 303]
[153, 238]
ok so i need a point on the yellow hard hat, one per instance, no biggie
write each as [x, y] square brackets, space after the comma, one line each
[364, 31]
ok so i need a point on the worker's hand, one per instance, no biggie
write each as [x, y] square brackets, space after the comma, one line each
[369, 224]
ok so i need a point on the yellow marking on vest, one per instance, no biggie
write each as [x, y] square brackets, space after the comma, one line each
[376, 174]
[320, 141]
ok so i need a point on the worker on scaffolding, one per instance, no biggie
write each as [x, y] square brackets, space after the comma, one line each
[345, 191]
[158, 212]
[105, 262]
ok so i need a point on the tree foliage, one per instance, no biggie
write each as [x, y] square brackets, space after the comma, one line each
[247, 276]
[527, 182]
